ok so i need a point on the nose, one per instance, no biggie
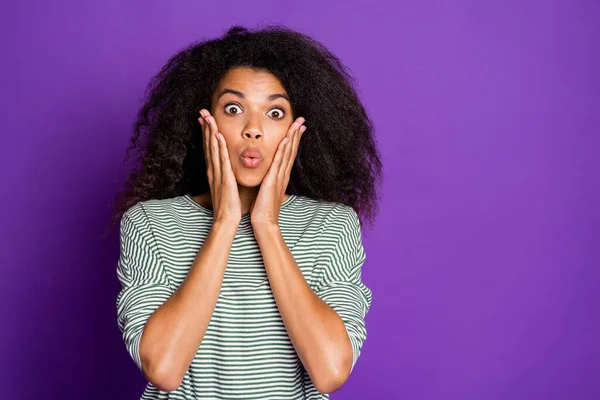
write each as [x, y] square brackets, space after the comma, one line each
[253, 130]
[252, 134]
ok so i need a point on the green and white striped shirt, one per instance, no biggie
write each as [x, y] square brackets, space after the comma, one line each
[246, 352]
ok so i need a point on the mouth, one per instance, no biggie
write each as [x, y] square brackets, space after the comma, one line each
[251, 162]
[251, 158]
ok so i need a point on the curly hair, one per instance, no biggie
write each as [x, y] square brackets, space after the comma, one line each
[337, 159]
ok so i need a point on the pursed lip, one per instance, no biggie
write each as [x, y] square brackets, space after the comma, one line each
[252, 153]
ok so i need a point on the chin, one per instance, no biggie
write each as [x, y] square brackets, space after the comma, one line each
[249, 179]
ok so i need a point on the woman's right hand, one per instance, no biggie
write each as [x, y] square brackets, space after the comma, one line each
[223, 185]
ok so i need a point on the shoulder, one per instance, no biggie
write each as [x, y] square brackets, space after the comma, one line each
[333, 218]
[142, 217]
[153, 210]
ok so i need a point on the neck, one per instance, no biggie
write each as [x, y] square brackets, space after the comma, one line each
[247, 196]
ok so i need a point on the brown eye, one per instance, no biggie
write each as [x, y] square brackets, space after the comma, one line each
[232, 109]
[277, 113]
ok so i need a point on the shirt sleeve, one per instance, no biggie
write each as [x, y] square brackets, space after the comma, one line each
[338, 273]
[144, 284]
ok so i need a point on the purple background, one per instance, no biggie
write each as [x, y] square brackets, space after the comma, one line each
[484, 261]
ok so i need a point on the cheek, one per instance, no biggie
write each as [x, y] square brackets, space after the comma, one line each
[223, 125]
[273, 144]
[228, 129]
[277, 135]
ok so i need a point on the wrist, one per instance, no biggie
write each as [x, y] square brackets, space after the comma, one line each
[266, 229]
[230, 226]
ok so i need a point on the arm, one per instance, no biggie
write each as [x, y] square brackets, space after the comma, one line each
[174, 332]
[315, 329]
[326, 326]
[171, 335]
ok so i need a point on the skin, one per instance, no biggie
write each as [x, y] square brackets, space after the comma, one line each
[252, 120]
[174, 332]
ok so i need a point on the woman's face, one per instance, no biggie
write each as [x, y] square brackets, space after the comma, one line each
[252, 111]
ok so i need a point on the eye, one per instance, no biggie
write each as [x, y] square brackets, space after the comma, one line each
[278, 113]
[232, 108]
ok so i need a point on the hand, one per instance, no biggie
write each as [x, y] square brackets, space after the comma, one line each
[266, 206]
[226, 202]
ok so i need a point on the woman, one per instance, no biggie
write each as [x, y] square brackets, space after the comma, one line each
[240, 228]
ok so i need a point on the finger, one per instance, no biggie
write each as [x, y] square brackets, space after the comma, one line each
[292, 132]
[206, 146]
[294, 127]
[294, 150]
[205, 137]
[293, 140]
[202, 119]
[287, 155]
[226, 171]
[276, 164]
[214, 149]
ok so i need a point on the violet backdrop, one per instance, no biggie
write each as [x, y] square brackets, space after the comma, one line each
[484, 260]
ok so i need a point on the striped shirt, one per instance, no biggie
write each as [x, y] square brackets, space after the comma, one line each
[246, 352]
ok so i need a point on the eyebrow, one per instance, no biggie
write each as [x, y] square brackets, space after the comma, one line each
[241, 95]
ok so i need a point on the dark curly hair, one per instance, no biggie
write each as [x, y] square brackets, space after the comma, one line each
[337, 159]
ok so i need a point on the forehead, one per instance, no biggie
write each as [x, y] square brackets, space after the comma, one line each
[250, 81]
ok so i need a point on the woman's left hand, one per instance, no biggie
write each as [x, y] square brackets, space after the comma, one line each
[265, 208]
